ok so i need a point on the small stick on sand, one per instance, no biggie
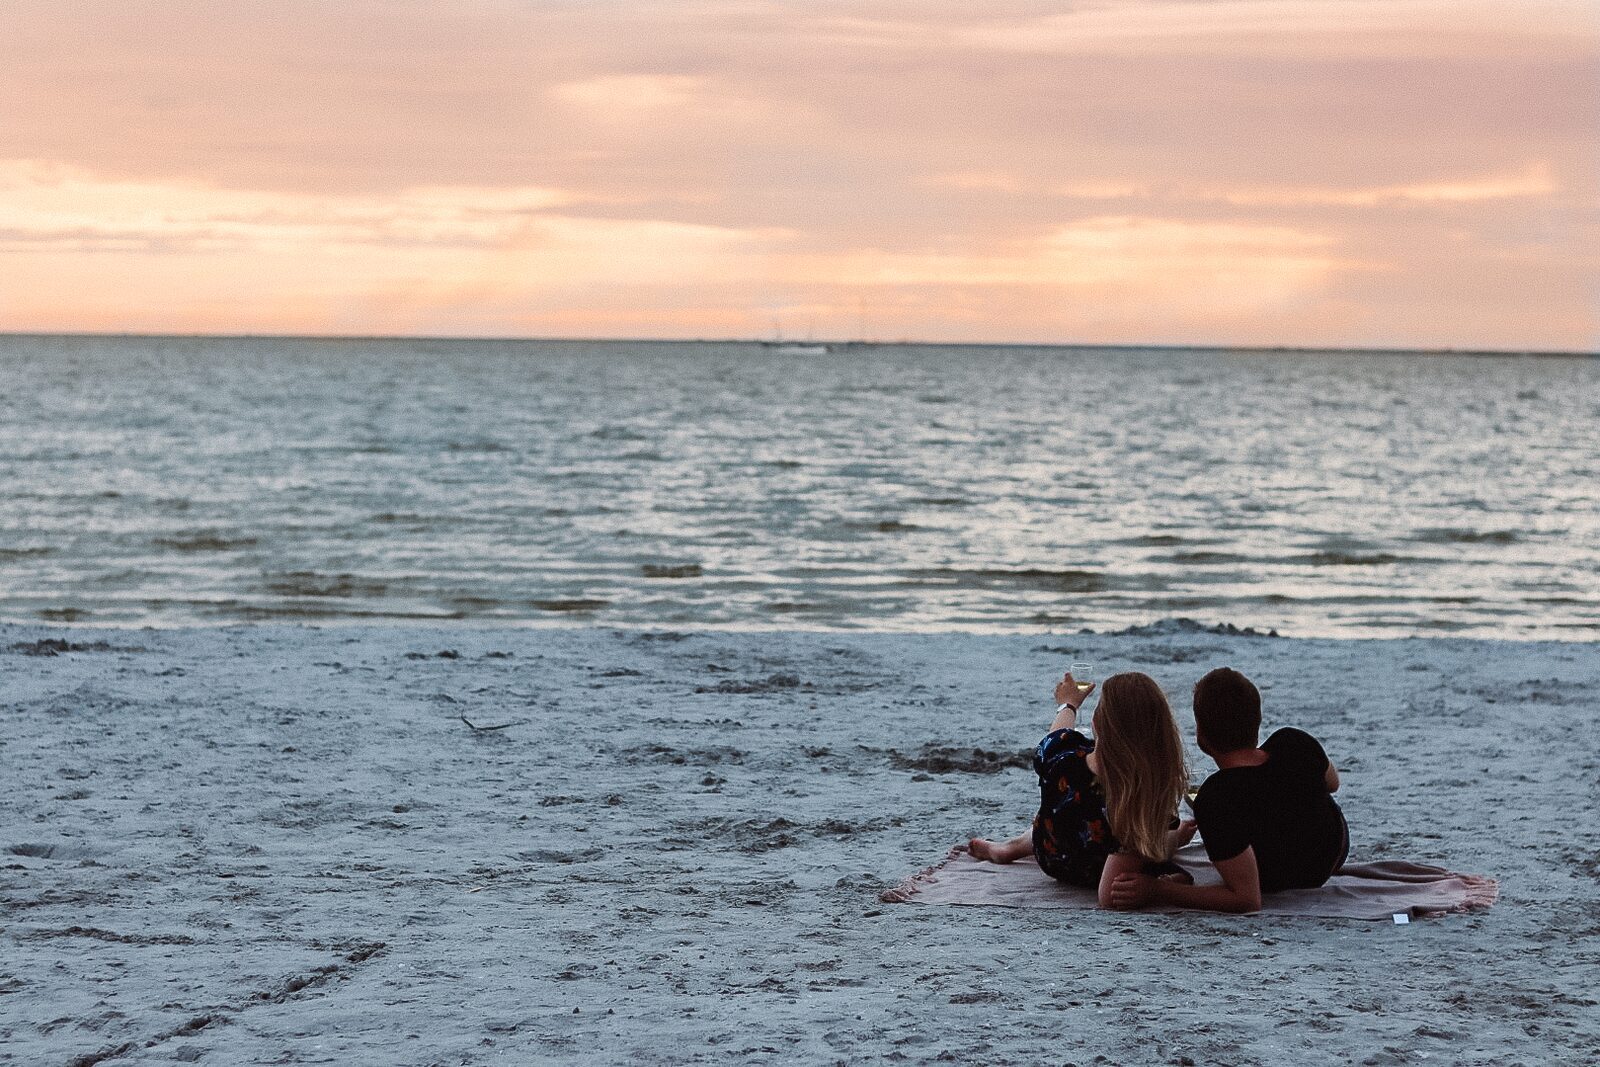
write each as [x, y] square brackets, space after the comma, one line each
[486, 729]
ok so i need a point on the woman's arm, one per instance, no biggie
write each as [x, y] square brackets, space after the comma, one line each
[1068, 693]
[1119, 865]
[1240, 891]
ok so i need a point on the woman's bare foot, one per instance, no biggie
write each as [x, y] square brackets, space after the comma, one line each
[983, 850]
[1002, 851]
[1180, 877]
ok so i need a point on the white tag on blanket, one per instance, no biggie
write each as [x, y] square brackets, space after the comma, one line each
[1401, 918]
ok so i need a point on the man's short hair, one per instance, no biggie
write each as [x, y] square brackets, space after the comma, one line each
[1227, 710]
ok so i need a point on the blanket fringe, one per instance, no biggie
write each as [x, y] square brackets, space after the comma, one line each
[1481, 893]
[909, 888]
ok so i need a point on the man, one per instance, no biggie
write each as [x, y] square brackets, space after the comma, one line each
[1267, 815]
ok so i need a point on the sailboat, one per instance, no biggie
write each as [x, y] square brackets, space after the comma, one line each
[796, 348]
[778, 346]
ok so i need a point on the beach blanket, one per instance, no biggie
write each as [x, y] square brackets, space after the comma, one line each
[1381, 890]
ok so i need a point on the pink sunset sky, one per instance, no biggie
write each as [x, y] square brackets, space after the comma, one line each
[1256, 172]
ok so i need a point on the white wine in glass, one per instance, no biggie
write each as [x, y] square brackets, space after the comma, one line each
[1080, 673]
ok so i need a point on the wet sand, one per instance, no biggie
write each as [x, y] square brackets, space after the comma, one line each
[288, 845]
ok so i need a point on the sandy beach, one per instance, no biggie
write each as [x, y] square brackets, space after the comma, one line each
[536, 533]
[287, 845]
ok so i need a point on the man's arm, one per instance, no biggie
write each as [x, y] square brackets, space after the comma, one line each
[1239, 892]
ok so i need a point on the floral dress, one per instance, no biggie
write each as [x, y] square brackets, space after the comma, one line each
[1071, 834]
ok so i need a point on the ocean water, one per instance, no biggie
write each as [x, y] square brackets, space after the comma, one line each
[175, 481]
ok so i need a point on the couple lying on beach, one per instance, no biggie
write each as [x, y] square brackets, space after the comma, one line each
[1107, 806]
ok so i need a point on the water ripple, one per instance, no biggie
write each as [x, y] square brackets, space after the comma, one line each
[904, 488]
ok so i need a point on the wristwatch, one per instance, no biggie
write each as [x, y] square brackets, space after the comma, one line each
[1063, 706]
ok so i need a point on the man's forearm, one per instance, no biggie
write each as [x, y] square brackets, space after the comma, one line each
[1204, 897]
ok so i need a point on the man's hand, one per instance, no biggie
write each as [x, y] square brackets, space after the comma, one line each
[1132, 891]
[1184, 833]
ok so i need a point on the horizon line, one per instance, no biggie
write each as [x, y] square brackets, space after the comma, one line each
[836, 343]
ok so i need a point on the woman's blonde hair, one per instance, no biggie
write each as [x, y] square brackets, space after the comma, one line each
[1141, 762]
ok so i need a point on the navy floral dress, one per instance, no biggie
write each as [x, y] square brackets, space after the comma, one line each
[1071, 834]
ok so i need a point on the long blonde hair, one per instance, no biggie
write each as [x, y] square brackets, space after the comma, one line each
[1141, 762]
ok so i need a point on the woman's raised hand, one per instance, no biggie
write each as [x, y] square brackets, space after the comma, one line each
[1069, 691]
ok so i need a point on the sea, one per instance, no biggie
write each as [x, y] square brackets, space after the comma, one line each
[171, 481]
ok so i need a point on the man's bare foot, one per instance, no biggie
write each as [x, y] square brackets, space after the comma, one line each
[998, 852]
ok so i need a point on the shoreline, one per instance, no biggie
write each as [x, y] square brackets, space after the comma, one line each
[1162, 627]
[257, 842]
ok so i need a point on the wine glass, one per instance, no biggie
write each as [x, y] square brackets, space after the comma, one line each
[1080, 673]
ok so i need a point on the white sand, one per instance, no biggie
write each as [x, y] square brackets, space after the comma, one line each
[282, 845]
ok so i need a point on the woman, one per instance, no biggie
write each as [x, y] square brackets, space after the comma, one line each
[1106, 806]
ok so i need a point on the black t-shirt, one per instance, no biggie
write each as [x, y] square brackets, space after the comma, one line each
[1282, 809]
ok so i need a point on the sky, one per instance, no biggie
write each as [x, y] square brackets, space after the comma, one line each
[1373, 173]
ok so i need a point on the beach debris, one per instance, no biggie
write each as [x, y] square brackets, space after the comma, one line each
[1402, 918]
[1168, 627]
[490, 729]
[771, 683]
[97, 934]
[55, 646]
[944, 759]
[657, 753]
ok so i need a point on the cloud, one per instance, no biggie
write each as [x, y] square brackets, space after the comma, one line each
[1001, 182]
[63, 206]
[1020, 169]
[1533, 181]
[1150, 253]
[630, 94]
[1088, 279]
[86, 251]
[1407, 28]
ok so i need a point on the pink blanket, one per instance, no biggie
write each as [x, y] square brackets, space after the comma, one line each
[1357, 891]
